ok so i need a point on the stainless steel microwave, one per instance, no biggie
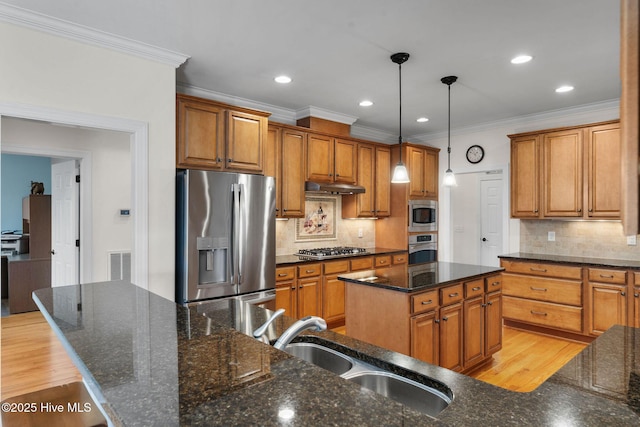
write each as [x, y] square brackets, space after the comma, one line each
[423, 215]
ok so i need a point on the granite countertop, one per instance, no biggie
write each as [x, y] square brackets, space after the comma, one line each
[563, 259]
[283, 260]
[418, 277]
[150, 361]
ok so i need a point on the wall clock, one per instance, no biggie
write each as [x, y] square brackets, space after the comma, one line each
[475, 153]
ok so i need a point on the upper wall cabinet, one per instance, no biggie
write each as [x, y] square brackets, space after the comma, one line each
[567, 173]
[216, 136]
[285, 154]
[331, 159]
[422, 165]
[374, 174]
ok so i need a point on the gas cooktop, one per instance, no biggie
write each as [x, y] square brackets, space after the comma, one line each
[324, 253]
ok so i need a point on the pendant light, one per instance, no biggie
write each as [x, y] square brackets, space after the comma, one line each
[449, 178]
[400, 174]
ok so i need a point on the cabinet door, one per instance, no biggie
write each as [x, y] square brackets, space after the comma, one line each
[415, 164]
[382, 197]
[474, 330]
[608, 307]
[292, 182]
[286, 297]
[636, 306]
[525, 179]
[345, 161]
[604, 182]
[273, 162]
[246, 134]
[319, 159]
[431, 173]
[333, 299]
[562, 173]
[451, 337]
[200, 136]
[309, 297]
[365, 203]
[424, 337]
[493, 322]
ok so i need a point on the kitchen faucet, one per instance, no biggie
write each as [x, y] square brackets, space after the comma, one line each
[309, 322]
[260, 333]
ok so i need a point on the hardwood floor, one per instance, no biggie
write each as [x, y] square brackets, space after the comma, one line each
[32, 358]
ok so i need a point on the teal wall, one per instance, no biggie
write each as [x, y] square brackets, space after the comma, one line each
[17, 173]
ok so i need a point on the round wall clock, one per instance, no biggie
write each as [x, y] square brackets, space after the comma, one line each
[475, 153]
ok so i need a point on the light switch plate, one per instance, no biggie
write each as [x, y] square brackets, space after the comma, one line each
[551, 236]
[632, 240]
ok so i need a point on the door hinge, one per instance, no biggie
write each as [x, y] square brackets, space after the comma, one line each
[77, 178]
[77, 243]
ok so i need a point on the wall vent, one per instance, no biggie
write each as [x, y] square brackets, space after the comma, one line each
[120, 266]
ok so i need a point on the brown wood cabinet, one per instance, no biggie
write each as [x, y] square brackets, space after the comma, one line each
[285, 155]
[374, 174]
[216, 136]
[330, 159]
[333, 292]
[571, 172]
[607, 299]
[636, 300]
[422, 165]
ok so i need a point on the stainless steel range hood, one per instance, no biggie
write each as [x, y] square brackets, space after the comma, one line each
[332, 188]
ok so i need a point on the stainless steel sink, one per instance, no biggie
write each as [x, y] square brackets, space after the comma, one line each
[323, 357]
[403, 390]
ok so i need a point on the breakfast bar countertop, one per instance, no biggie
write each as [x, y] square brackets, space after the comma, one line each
[149, 361]
[564, 259]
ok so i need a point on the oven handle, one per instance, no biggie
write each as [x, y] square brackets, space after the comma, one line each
[422, 247]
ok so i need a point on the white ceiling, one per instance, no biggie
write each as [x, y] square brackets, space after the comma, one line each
[337, 52]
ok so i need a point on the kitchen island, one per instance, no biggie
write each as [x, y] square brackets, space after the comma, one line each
[149, 361]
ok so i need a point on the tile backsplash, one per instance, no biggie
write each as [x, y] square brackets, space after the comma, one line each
[346, 233]
[593, 239]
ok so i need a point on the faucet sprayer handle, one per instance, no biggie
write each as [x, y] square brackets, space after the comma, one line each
[258, 333]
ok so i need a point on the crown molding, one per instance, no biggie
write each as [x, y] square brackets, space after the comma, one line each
[58, 27]
[372, 134]
[321, 113]
[564, 117]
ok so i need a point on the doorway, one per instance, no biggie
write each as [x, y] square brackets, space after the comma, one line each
[478, 220]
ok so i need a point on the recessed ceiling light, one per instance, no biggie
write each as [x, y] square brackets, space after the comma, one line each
[521, 59]
[565, 88]
[422, 119]
[283, 79]
[366, 103]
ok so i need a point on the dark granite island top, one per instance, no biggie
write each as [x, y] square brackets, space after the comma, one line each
[150, 361]
[419, 277]
[564, 259]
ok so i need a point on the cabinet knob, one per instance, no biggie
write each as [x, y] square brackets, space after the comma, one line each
[476, 288]
[218, 159]
[230, 160]
[579, 210]
[590, 210]
[623, 293]
[437, 321]
[445, 318]
[427, 302]
[535, 211]
[293, 289]
[490, 303]
[483, 305]
[636, 295]
[453, 295]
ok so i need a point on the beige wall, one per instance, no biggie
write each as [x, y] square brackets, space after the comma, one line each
[42, 70]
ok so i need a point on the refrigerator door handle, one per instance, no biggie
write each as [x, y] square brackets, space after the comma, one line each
[235, 232]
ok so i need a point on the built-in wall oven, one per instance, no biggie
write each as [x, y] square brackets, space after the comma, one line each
[423, 215]
[423, 248]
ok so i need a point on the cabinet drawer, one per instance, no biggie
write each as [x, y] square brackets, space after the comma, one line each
[309, 270]
[552, 290]
[451, 294]
[494, 283]
[555, 316]
[473, 288]
[285, 273]
[363, 263]
[399, 259]
[608, 276]
[383, 261]
[548, 270]
[334, 267]
[424, 302]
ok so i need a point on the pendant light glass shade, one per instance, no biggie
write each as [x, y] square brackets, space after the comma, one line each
[400, 173]
[449, 179]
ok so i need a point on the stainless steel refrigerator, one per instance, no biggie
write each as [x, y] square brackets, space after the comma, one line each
[225, 236]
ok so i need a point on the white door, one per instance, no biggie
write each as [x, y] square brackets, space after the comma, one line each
[65, 208]
[490, 221]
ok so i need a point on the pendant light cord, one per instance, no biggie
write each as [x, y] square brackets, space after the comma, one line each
[449, 133]
[400, 110]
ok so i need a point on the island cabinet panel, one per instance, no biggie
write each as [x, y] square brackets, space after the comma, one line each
[493, 322]
[474, 330]
[425, 337]
[451, 337]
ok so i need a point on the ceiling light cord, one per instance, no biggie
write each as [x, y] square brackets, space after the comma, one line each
[449, 133]
[400, 173]
[449, 179]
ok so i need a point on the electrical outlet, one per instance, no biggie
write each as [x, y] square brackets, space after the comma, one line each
[360, 234]
[551, 236]
[632, 240]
